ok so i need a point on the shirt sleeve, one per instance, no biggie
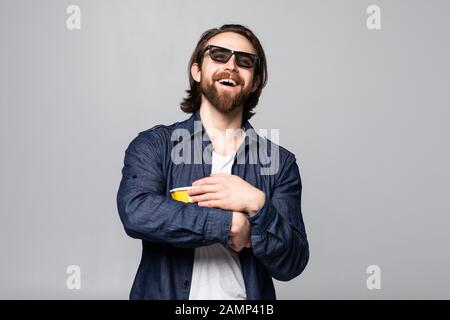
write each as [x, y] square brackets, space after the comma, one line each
[147, 213]
[278, 233]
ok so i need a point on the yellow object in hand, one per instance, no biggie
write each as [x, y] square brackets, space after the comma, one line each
[181, 194]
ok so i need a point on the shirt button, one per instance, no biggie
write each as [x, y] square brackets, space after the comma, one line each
[186, 283]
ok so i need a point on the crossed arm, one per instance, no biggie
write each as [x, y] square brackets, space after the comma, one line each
[230, 192]
[273, 228]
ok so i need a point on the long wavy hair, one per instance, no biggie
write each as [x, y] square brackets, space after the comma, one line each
[192, 102]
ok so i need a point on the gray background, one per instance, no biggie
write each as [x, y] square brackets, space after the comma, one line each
[365, 112]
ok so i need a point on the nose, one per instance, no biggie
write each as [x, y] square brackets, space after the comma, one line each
[230, 65]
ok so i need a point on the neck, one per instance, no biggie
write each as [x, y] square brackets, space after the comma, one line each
[224, 129]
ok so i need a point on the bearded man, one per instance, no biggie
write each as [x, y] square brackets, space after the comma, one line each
[242, 225]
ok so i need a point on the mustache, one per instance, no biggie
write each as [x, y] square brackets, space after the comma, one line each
[228, 75]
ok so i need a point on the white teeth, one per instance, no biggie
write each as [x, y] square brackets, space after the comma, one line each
[229, 81]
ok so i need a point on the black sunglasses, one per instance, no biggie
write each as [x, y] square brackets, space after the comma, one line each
[222, 55]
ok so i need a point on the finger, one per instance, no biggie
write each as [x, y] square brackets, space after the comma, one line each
[203, 189]
[210, 204]
[206, 197]
[207, 180]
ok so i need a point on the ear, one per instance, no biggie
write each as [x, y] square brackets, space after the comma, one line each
[196, 72]
[256, 82]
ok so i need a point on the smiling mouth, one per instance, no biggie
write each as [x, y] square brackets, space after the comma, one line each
[228, 82]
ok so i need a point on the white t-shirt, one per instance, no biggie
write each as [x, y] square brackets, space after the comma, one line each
[217, 273]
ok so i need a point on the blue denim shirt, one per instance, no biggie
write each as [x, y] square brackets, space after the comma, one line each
[171, 230]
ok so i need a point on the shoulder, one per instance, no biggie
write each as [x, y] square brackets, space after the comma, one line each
[282, 166]
[160, 134]
[274, 149]
[277, 162]
[154, 140]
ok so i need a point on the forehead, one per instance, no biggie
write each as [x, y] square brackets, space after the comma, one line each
[233, 41]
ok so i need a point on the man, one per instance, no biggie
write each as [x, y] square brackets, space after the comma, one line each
[245, 224]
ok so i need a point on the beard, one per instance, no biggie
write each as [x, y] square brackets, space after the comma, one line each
[225, 102]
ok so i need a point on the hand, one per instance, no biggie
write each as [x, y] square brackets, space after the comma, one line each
[240, 232]
[228, 192]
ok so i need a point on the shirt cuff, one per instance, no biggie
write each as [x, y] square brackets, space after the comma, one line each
[218, 225]
[261, 220]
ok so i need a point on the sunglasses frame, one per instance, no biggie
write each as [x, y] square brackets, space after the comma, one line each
[233, 52]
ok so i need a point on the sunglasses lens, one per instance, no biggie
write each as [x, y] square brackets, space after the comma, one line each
[220, 54]
[245, 60]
